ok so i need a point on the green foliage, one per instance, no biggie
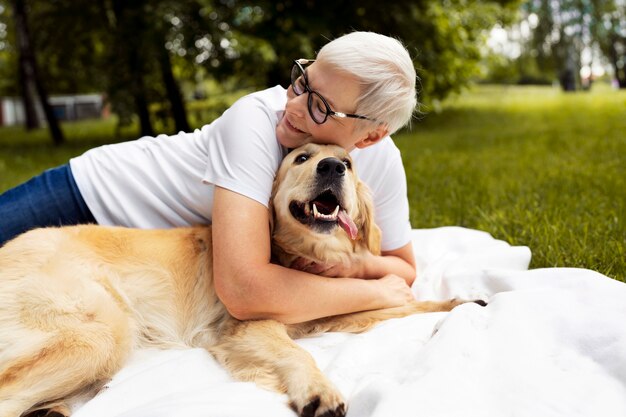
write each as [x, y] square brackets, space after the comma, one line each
[451, 50]
[608, 28]
[8, 59]
[445, 37]
[23, 155]
[567, 28]
[116, 46]
[530, 165]
[499, 69]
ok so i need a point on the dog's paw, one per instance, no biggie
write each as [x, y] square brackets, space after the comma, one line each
[321, 401]
[458, 301]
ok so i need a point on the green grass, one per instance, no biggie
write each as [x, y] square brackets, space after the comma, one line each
[24, 154]
[532, 166]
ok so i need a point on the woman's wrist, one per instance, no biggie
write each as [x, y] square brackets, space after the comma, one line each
[377, 266]
[369, 267]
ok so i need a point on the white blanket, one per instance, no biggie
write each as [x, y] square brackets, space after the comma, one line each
[551, 342]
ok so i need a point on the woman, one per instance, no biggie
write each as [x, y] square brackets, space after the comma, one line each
[222, 174]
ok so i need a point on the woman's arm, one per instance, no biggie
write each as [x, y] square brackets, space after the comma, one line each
[400, 262]
[252, 288]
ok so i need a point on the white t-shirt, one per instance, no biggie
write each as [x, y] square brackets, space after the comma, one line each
[168, 181]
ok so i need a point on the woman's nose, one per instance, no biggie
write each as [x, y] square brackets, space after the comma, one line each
[296, 105]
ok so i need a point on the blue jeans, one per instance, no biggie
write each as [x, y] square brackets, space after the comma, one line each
[49, 199]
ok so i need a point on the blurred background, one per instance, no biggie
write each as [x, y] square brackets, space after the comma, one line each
[521, 131]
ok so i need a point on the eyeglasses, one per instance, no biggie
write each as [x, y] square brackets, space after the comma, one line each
[318, 106]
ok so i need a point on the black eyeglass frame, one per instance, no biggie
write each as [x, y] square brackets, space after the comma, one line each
[329, 112]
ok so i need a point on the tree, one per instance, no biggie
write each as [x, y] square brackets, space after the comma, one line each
[444, 37]
[109, 46]
[8, 58]
[560, 36]
[137, 51]
[609, 33]
[30, 80]
[566, 28]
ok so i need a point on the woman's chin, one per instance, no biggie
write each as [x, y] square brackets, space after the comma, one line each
[289, 138]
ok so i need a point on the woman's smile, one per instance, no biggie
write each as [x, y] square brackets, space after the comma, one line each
[291, 125]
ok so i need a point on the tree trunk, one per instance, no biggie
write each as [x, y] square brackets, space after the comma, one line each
[174, 96]
[129, 27]
[29, 77]
[27, 86]
[620, 73]
[141, 107]
[27, 90]
[139, 94]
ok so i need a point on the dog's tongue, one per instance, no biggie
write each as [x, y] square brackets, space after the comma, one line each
[347, 224]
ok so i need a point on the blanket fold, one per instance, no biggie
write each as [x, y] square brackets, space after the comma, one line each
[551, 342]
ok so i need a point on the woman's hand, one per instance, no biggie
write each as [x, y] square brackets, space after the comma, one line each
[253, 288]
[394, 291]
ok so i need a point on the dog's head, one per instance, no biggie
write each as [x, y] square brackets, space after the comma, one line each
[321, 211]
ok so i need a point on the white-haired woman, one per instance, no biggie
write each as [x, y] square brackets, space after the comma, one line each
[358, 90]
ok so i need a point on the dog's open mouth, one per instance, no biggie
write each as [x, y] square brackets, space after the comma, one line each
[324, 212]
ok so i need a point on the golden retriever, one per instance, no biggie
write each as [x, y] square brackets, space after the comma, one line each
[75, 301]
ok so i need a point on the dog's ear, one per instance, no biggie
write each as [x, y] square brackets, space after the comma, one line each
[371, 234]
[271, 208]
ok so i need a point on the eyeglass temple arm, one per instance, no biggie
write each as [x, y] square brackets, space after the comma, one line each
[304, 61]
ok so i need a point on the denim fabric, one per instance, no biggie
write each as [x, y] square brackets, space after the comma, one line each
[49, 199]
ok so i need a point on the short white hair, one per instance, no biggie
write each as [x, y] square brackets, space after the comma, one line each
[385, 70]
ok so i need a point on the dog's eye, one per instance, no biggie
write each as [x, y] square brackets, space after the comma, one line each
[301, 158]
[347, 163]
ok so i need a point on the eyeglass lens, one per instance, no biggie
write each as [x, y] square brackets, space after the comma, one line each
[316, 105]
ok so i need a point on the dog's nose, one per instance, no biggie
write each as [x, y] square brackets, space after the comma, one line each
[330, 168]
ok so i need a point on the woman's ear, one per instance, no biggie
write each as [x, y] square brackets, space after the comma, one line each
[373, 136]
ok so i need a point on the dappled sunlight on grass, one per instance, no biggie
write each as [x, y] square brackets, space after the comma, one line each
[24, 154]
[531, 165]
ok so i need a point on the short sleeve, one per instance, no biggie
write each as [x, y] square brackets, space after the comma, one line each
[380, 167]
[243, 153]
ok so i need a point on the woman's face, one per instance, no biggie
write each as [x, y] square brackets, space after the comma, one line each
[341, 91]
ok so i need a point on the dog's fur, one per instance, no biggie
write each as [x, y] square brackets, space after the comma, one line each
[75, 301]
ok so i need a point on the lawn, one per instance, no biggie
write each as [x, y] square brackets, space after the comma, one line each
[532, 166]
[23, 155]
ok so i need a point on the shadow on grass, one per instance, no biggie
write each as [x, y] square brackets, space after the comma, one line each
[68, 145]
[78, 135]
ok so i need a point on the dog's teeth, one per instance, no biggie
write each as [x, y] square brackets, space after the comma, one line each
[322, 216]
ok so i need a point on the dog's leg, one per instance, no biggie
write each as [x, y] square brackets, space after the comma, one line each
[360, 322]
[77, 353]
[261, 351]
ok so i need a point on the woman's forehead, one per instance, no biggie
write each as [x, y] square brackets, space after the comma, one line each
[338, 88]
